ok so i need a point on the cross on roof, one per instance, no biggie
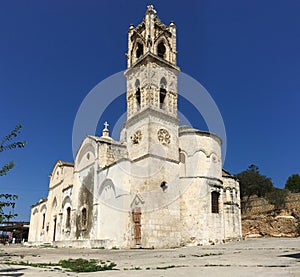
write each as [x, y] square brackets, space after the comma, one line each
[106, 124]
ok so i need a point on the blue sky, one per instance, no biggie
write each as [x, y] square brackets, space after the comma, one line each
[52, 53]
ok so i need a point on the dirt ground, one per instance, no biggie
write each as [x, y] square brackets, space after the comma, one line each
[250, 257]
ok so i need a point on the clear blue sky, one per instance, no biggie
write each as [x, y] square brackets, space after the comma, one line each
[245, 53]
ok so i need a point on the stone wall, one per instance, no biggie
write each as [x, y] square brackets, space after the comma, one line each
[258, 205]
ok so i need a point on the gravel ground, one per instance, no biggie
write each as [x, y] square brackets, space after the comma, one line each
[250, 257]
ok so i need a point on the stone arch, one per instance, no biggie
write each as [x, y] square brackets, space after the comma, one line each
[35, 211]
[84, 213]
[107, 190]
[139, 49]
[66, 201]
[68, 217]
[139, 41]
[163, 47]
[201, 150]
[55, 171]
[86, 148]
[43, 207]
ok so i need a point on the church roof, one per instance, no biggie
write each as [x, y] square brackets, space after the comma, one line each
[105, 140]
[190, 130]
[42, 200]
[227, 174]
[63, 163]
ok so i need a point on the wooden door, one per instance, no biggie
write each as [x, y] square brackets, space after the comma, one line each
[137, 225]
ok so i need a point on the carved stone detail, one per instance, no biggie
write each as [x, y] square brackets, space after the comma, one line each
[163, 136]
[137, 137]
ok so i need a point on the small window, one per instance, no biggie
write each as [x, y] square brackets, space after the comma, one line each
[161, 50]
[83, 217]
[215, 202]
[164, 186]
[181, 157]
[43, 224]
[68, 219]
[139, 50]
[162, 91]
[138, 92]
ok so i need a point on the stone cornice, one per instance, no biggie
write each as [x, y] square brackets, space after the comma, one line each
[187, 130]
[203, 177]
[68, 187]
[56, 185]
[147, 112]
[43, 200]
[109, 141]
[136, 160]
[146, 58]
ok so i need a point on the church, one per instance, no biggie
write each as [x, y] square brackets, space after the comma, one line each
[161, 185]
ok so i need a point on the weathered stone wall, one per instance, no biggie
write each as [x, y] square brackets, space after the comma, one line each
[267, 225]
[258, 205]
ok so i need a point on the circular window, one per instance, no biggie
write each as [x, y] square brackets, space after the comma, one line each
[163, 136]
[137, 137]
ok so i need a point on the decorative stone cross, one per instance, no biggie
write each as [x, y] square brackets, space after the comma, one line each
[105, 131]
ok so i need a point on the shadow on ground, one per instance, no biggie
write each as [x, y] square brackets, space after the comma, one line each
[11, 271]
[295, 255]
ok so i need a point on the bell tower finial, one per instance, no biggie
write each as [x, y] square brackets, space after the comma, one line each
[150, 8]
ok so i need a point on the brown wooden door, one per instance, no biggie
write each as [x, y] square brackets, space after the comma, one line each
[137, 225]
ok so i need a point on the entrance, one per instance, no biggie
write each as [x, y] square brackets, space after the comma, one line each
[137, 225]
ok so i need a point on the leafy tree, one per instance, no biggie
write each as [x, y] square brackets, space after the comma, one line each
[277, 197]
[8, 200]
[293, 183]
[7, 143]
[253, 183]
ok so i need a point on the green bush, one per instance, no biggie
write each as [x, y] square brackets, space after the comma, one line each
[82, 265]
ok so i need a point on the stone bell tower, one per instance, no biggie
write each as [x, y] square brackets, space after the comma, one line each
[152, 123]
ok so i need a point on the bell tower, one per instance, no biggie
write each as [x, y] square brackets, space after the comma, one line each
[152, 88]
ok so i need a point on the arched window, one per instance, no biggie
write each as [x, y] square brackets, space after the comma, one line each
[161, 49]
[182, 166]
[138, 92]
[68, 218]
[162, 91]
[182, 157]
[83, 217]
[139, 50]
[215, 202]
[43, 224]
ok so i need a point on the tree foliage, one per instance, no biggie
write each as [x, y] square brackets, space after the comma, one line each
[277, 197]
[293, 183]
[253, 183]
[8, 200]
[7, 143]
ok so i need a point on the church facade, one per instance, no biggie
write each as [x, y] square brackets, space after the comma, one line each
[161, 185]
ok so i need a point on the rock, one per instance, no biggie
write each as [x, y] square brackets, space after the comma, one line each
[267, 225]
